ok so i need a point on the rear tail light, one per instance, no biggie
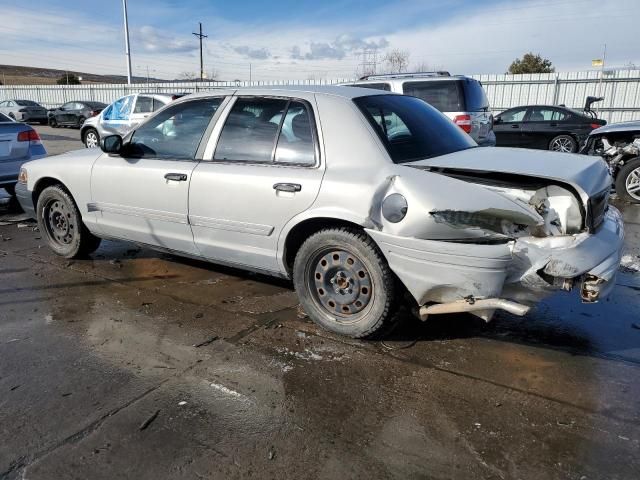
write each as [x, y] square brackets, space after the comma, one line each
[95, 112]
[28, 136]
[464, 122]
[595, 125]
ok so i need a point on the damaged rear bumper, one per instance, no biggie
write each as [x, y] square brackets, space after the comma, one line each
[524, 271]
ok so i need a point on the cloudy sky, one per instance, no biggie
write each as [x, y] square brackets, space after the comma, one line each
[298, 39]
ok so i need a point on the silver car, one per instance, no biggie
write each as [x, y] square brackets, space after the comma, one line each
[460, 98]
[122, 116]
[19, 143]
[24, 111]
[362, 198]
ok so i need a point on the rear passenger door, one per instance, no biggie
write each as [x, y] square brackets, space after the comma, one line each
[142, 109]
[542, 124]
[261, 168]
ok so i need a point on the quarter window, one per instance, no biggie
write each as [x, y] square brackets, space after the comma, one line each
[250, 131]
[120, 109]
[176, 132]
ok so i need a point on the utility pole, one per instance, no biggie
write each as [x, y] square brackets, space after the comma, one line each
[147, 74]
[249, 74]
[600, 92]
[67, 73]
[201, 36]
[127, 52]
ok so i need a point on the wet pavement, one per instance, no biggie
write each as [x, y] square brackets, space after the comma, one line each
[135, 364]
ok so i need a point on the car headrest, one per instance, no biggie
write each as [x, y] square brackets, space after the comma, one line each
[301, 127]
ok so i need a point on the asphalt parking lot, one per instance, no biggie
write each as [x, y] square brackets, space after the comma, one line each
[135, 364]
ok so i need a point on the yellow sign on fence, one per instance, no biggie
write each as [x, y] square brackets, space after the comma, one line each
[597, 62]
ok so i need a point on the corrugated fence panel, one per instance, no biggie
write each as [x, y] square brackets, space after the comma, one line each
[621, 89]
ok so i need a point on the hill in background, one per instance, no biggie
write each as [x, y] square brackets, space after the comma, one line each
[18, 75]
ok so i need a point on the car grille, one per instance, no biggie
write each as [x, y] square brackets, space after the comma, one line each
[598, 205]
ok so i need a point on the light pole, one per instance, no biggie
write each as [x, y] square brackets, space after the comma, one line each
[126, 41]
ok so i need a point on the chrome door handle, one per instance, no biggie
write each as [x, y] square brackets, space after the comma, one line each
[515, 126]
[287, 187]
[176, 177]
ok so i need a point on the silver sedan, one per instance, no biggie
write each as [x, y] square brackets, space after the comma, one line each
[364, 199]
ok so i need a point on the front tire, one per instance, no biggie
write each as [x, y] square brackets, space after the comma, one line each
[628, 181]
[344, 283]
[91, 138]
[61, 224]
[563, 143]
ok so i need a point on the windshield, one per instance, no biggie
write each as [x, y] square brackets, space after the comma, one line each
[411, 129]
[27, 103]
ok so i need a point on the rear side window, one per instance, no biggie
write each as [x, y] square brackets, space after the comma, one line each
[375, 86]
[444, 95]
[176, 132]
[475, 96]
[158, 104]
[410, 129]
[295, 142]
[543, 114]
[143, 105]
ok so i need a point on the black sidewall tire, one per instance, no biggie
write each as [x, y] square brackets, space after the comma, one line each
[53, 123]
[83, 242]
[621, 180]
[574, 143]
[81, 120]
[378, 313]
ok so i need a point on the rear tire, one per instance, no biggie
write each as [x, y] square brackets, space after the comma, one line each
[61, 224]
[628, 181]
[10, 189]
[344, 283]
[53, 123]
[91, 138]
[563, 143]
[80, 122]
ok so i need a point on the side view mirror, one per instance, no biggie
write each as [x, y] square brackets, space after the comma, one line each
[497, 120]
[111, 144]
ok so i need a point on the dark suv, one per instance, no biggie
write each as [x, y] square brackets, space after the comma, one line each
[460, 98]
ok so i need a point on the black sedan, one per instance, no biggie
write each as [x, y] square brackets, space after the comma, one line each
[74, 114]
[545, 127]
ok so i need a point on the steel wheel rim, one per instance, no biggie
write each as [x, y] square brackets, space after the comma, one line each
[340, 284]
[564, 145]
[59, 223]
[632, 184]
[91, 140]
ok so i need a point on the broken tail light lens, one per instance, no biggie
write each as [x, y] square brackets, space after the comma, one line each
[464, 122]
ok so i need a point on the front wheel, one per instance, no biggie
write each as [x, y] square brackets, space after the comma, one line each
[91, 138]
[563, 143]
[61, 224]
[344, 283]
[628, 181]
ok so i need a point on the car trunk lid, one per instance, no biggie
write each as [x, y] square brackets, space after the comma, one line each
[587, 175]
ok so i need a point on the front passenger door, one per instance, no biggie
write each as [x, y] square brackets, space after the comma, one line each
[142, 194]
[508, 128]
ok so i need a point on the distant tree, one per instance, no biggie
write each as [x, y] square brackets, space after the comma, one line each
[396, 60]
[530, 63]
[68, 79]
[422, 67]
[189, 76]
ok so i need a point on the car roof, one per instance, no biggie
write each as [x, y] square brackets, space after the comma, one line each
[291, 90]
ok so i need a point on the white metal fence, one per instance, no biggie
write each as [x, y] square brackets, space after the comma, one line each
[621, 89]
